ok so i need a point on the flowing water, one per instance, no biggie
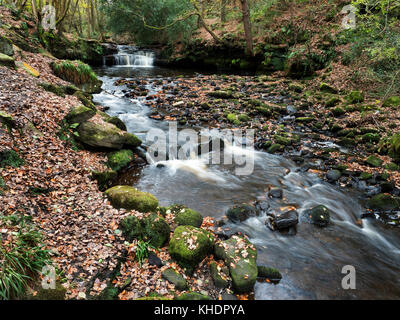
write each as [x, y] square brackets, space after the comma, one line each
[311, 261]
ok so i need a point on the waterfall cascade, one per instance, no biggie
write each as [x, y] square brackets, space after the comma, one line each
[129, 56]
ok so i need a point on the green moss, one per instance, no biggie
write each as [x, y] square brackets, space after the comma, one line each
[221, 94]
[371, 137]
[304, 119]
[192, 296]
[7, 61]
[243, 117]
[117, 122]
[119, 159]
[57, 90]
[392, 102]
[132, 199]
[331, 102]
[190, 245]
[79, 114]
[156, 230]
[338, 111]
[10, 158]
[374, 161]
[384, 202]
[131, 228]
[219, 275]
[355, 97]
[175, 278]
[188, 217]
[324, 87]
[275, 147]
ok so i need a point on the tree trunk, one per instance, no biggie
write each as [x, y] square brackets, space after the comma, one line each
[223, 10]
[247, 27]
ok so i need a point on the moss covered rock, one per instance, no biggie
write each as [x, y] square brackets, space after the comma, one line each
[156, 230]
[240, 255]
[241, 212]
[131, 228]
[188, 217]
[7, 61]
[392, 102]
[6, 46]
[175, 278]
[79, 114]
[355, 97]
[131, 199]
[190, 245]
[192, 296]
[119, 159]
[220, 275]
[324, 87]
[374, 161]
[319, 215]
[117, 122]
[221, 94]
[104, 177]
[106, 135]
[57, 90]
[269, 273]
[384, 202]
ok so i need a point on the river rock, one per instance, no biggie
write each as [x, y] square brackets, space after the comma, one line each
[175, 278]
[284, 220]
[276, 193]
[192, 296]
[119, 159]
[242, 212]
[269, 273]
[131, 228]
[106, 135]
[240, 255]
[190, 245]
[319, 215]
[333, 175]
[130, 198]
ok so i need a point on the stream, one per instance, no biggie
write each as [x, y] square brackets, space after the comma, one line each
[310, 261]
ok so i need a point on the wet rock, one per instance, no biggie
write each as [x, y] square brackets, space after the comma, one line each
[319, 215]
[387, 186]
[175, 278]
[221, 94]
[262, 206]
[276, 193]
[283, 220]
[190, 245]
[240, 255]
[119, 159]
[242, 212]
[324, 87]
[333, 175]
[117, 122]
[130, 198]
[268, 273]
[228, 297]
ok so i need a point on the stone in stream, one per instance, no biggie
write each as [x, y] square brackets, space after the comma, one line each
[175, 278]
[240, 255]
[319, 215]
[190, 245]
[242, 212]
[284, 220]
[333, 175]
[130, 198]
[106, 135]
[276, 193]
[269, 273]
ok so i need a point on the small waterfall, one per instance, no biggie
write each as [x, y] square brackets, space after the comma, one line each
[129, 56]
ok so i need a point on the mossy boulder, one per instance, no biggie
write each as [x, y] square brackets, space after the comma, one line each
[240, 255]
[10, 158]
[374, 161]
[243, 117]
[85, 98]
[78, 73]
[79, 114]
[192, 296]
[324, 87]
[391, 102]
[355, 97]
[220, 275]
[106, 135]
[269, 273]
[332, 102]
[57, 90]
[188, 217]
[131, 228]
[104, 177]
[7, 61]
[241, 212]
[119, 159]
[6, 46]
[156, 230]
[175, 278]
[190, 245]
[131, 199]
[117, 122]
[371, 137]
[384, 202]
[319, 215]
